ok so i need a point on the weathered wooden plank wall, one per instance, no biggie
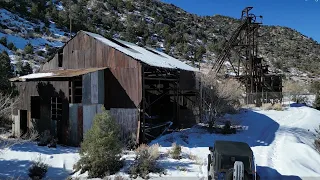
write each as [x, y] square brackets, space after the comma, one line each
[45, 90]
[123, 88]
[16, 124]
[127, 120]
[84, 51]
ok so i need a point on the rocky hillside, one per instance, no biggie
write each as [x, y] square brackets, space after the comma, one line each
[43, 25]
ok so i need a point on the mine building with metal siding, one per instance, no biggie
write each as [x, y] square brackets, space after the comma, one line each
[141, 87]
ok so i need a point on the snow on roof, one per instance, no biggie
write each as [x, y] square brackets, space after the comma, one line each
[61, 73]
[149, 56]
[36, 75]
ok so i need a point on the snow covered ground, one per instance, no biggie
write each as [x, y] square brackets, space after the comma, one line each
[282, 142]
[14, 162]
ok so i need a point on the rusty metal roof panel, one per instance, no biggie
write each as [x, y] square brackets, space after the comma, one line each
[149, 56]
[61, 73]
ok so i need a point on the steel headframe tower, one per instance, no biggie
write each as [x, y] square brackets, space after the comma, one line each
[247, 66]
[248, 40]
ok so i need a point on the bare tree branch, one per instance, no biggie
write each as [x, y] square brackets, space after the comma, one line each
[218, 97]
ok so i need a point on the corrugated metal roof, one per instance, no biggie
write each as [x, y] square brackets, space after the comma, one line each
[56, 74]
[149, 56]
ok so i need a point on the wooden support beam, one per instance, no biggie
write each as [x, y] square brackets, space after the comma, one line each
[159, 79]
[143, 106]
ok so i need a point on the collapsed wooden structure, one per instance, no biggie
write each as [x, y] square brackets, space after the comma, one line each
[142, 89]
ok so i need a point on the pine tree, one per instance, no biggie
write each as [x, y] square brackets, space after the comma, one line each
[11, 46]
[100, 151]
[23, 69]
[199, 53]
[5, 73]
[3, 41]
[28, 49]
[35, 11]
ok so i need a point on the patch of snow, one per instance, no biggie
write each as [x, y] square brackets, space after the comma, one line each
[56, 31]
[36, 75]
[199, 41]
[282, 142]
[3, 48]
[149, 19]
[11, 20]
[18, 159]
[59, 7]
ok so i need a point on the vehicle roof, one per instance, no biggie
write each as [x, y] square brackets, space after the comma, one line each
[233, 148]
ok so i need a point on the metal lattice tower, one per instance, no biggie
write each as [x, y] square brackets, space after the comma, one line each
[247, 66]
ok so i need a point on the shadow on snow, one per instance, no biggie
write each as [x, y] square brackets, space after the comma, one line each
[33, 147]
[267, 173]
[258, 130]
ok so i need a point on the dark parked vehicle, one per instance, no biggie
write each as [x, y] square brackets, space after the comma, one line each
[229, 160]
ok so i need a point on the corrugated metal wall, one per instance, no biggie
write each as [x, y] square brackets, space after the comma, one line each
[89, 111]
[93, 88]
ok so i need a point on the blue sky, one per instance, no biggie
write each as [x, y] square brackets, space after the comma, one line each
[302, 15]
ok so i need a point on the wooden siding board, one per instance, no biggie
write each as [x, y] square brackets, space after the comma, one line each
[99, 54]
[88, 58]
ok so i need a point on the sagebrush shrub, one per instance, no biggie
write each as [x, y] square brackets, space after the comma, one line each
[316, 103]
[175, 151]
[277, 107]
[101, 148]
[38, 169]
[145, 161]
[45, 138]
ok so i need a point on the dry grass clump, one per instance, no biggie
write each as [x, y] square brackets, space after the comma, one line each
[269, 106]
[145, 161]
[175, 151]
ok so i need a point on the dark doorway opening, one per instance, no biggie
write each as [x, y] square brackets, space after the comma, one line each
[35, 107]
[23, 122]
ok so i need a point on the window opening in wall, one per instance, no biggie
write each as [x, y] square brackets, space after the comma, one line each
[35, 107]
[56, 108]
[78, 91]
[75, 91]
[60, 59]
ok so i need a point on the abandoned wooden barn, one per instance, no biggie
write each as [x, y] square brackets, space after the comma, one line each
[141, 87]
